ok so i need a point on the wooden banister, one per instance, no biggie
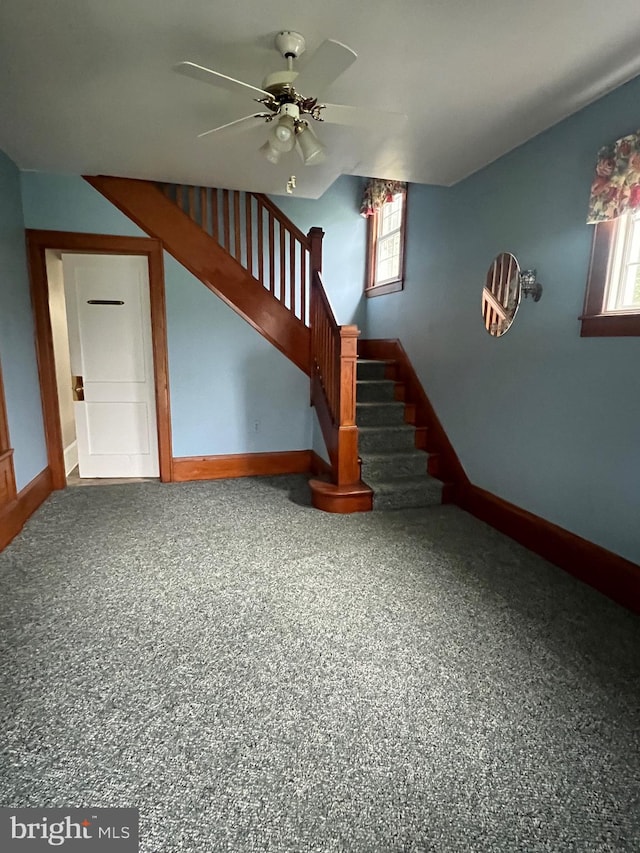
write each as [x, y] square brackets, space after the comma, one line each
[278, 215]
[241, 221]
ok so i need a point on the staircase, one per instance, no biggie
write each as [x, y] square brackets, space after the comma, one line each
[390, 462]
[245, 250]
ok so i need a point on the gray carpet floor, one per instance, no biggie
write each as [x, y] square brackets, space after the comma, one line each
[254, 675]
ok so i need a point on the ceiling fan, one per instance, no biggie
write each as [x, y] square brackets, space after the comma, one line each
[291, 108]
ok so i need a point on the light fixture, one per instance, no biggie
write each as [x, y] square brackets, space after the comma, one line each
[283, 137]
[269, 152]
[529, 285]
[288, 130]
[311, 149]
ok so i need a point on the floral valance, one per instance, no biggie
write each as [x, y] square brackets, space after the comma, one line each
[616, 186]
[376, 192]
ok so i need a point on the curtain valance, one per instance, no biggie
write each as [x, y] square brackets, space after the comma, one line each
[616, 186]
[376, 192]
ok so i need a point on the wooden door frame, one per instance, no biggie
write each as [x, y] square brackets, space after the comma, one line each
[7, 471]
[5, 441]
[38, 242]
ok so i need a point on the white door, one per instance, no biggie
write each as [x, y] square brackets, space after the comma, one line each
[109, 318]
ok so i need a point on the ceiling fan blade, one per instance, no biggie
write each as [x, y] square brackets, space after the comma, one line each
[361, 116]
[215, 78]
[237, 121]
[329, 61]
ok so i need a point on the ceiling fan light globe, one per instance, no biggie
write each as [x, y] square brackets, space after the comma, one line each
[310, 148]
[316, 157]
[282, 146]
[283, 136]
[270, 153]
[285, 129]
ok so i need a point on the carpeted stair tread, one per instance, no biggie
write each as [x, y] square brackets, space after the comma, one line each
[406, 492]
[387, 466]
[370, 404]
[380, 438]
[417, 481]
[368, 368]
[375, 390]
[386, 412]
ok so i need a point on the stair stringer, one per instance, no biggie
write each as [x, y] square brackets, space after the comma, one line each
[145, 204]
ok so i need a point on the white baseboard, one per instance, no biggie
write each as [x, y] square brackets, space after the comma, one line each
[70, 457]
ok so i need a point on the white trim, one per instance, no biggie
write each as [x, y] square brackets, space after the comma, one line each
[70, 457]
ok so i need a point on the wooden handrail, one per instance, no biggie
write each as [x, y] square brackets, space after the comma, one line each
[281, 217]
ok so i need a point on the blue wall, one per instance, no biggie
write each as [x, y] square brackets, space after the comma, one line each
[541, 417]
[17, 351]
[337, 212]
[231, 392]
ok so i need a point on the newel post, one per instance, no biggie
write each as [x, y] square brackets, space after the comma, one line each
[315, 236]
[348, 467]
[348, 364]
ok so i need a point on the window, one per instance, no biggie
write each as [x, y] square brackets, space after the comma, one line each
[623, 288]
[385, 268]
[612, 305]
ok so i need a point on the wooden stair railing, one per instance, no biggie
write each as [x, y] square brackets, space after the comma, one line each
[257, 234]
[244, 249]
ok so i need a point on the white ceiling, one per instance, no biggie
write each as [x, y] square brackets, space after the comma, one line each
[87, 87]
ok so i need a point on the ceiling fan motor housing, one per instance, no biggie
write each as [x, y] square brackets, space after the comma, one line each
[279, 83]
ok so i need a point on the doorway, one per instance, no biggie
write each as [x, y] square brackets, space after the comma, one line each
[143, 423]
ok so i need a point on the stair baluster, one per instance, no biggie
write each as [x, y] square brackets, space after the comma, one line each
[240, 221]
